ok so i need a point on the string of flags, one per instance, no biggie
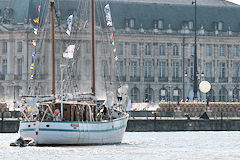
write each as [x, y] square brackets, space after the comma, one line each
[34, 42]
[109, 24]
[69, 21]
[70, 49]
[69, 52]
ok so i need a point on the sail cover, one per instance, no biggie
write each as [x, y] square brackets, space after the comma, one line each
[108, 15]
[69, 52]
[69, 21]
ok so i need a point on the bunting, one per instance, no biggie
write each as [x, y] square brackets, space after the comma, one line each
[39, 7]
[69, 21]
[35, 31]
[108, 15]
[34, 43]
[33, 54]
[32, 66]
[36, 20]
[69, 52]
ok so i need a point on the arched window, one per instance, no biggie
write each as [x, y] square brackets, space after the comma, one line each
[149, 94]
[211, 96]
[235, 95]
[175, 50]
[163, 94]
[223, 95]
[135, 94]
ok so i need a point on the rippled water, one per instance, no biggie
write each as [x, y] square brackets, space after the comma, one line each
[136, 145]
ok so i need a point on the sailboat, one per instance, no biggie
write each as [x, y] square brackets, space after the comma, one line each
[73, 119]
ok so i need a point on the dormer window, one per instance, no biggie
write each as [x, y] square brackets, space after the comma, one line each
[131, 23]
[220, 26]
[160, 24]
[190, 24]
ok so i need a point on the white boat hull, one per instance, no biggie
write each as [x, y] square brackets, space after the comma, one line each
[74, 133]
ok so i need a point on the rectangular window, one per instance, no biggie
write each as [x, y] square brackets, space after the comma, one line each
[88, 50]
[160, 24]
[175, 69]
[87, 69]
[208, 51]
[162, 50]
[208, 70]
[148, 69]
[19, 65]
[236, 51]
[190, 25]
[19, 46]
[235, 70]
[134, 49]
[222, 70]
[162, 69]
[133, 72]
[4, 47]
[58, 71]
[131, 23]
[104, 48]
[120, 71]
[120, 49]
[148, 49]
[57, 47]
[175, 50]
[222, 51]
[192, 50]
[191, 69]
[4, 67]
[104, 68]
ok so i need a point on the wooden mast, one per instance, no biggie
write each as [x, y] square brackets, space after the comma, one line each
[53, 45]
[92, 46]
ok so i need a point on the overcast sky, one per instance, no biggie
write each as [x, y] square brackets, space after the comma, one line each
[235, 1]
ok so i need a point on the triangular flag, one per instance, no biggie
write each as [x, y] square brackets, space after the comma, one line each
[116, 58]
[69, 52]
[113, 43]
[36, 20]
[34, 42]
[69, 21]
[35, 31]
[39, 7]
[33, 54]
[111, 35]
[32, 66]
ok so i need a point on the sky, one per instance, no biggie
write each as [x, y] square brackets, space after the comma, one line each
[235, 1]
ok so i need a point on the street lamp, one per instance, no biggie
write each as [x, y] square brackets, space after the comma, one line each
[195, 83]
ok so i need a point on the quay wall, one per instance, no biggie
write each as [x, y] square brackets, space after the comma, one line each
[153, 125]
[9, 126]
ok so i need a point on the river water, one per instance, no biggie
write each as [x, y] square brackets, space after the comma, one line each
[136, 146]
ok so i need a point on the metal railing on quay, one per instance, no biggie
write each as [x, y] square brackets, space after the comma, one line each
[145, 115]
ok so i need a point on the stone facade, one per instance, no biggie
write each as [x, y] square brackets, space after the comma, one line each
[156, 63]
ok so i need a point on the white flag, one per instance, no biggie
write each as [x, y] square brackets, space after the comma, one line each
[35, 31]
[69, 21]
[69, 52]
[108, 15]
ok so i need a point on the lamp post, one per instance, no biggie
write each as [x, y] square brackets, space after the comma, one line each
[62, 68]
[195, 82]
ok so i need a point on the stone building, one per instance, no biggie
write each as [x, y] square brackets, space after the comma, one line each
[155, 48]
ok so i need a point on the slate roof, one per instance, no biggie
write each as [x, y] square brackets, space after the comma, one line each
[173, 12]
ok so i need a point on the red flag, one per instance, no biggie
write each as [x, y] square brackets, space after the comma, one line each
[111, 35]
[34, 42]
[39, 8]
